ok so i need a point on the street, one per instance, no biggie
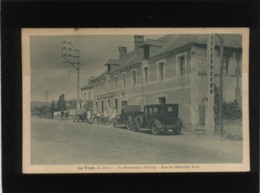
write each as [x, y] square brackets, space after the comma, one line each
[66, 142]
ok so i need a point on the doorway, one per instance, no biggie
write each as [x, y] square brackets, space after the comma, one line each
[102, 106]
[124, 103]
[116, 104]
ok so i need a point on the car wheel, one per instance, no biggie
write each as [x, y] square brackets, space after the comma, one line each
[136, 126]
[129, 125]
[114, 123]
[155, 129]
[177, 129]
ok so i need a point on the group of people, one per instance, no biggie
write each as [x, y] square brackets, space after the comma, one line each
[64, 114]
[107, 116]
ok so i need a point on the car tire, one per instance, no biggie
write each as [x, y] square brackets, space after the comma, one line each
[129, 125]
[177, 129]
[136, 126]
[115, 123]
[155, 129]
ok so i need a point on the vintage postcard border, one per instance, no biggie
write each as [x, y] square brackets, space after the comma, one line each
[78, 168]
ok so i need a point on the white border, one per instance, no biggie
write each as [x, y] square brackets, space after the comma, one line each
[28, 168]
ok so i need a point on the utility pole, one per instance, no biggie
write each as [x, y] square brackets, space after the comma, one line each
[220, 115]
[46, 97]
[71, 56]
[210, 115]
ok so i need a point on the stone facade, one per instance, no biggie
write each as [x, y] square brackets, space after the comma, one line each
[87, 97]
[172, 69]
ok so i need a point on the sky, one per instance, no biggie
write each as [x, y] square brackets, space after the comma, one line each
[49, 72]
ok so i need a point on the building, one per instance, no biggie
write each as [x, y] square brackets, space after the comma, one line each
[171, 69]
[87, 96]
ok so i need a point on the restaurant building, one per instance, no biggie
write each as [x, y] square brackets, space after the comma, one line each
[171, 69]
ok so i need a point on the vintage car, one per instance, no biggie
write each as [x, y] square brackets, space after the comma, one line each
[159, 117]
[128, 113]
[81, 115]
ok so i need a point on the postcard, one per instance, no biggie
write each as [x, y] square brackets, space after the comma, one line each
[135, 100]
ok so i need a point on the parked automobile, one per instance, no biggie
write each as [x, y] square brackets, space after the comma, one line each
[159, 117]
[81, 115]
[128, 113]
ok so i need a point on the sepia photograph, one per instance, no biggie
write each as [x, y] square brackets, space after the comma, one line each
[135, 100]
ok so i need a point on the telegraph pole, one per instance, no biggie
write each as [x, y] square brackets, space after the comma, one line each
[210, 121]
[71, 56]
[220, 115]
[210, 116]
[46, 97]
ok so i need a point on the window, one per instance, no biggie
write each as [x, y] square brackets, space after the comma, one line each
[161, 100]
[150, 110]
[170, 109]
[108, 103]
[96, 106]
[182, 65]
[99, 86]
[225, 65]
[124, 103]
[116, 82]
[109, 68]
[145, 74]
[102, 106]
[116, 104]
[124, 80]
[133, 77]
[161, 71]
[155, 110]
[85, 95]
[102, 85]
[146, 52]
[89, 96]
[108, 84]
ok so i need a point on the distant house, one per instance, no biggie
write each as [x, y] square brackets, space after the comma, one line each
[87, 96]
[171, 69]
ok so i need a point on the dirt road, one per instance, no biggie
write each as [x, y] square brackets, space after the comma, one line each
[66, 142]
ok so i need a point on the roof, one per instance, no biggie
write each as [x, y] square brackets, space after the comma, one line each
[174, 41]
[151, 42]
[102, 74]
[171, 42]
[132, 58]
[112, 61]
[86, 86]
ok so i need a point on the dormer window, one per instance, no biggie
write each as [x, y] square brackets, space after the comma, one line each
[146, 52]
[108, 68]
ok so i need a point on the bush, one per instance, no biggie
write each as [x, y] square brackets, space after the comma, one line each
[232, 110]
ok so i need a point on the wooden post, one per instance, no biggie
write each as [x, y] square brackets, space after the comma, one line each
[210, 115]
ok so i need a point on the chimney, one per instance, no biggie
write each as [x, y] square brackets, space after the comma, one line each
[138, 41]
[122, 52]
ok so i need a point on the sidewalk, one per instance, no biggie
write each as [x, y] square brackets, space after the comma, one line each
[211, 142]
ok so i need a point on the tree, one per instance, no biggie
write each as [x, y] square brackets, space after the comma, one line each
[52, 108]
[61, 104]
